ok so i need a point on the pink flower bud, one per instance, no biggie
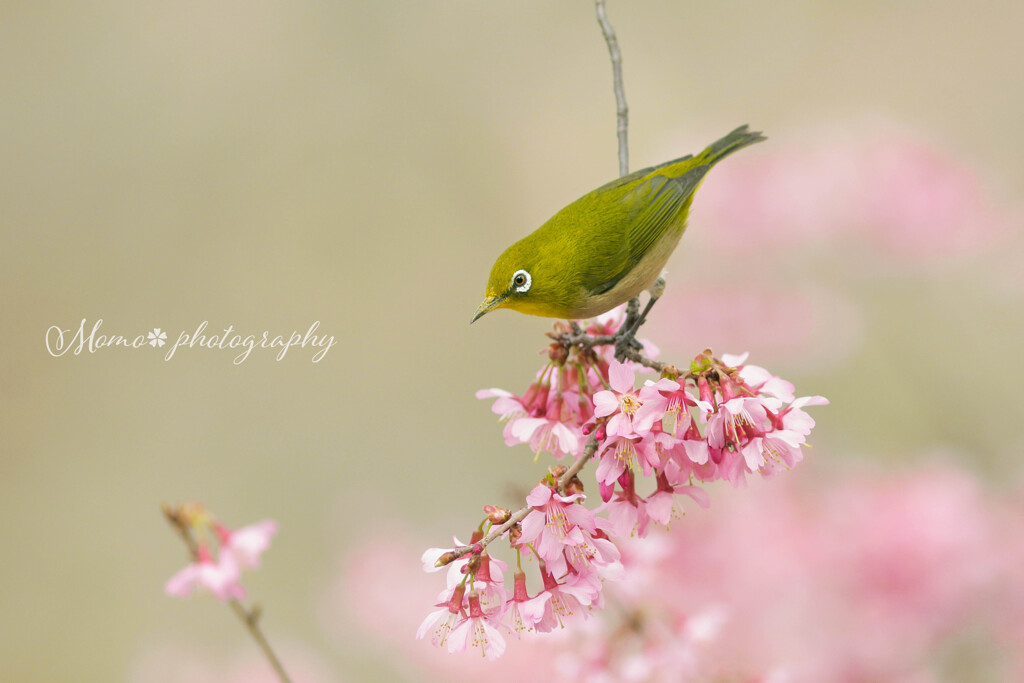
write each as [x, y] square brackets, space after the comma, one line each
[497, 515]
[519, 593]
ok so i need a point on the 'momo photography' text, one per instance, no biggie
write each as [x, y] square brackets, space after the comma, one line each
[60, 341]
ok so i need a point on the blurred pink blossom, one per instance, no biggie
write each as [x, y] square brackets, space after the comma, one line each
[248, 543]
[809, 326]
[220, 572]
[832, 208]
[858, 579]
[863, 576]
[220, 577]
[886, 193]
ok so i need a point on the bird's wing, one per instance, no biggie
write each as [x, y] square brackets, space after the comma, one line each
[646, 213]
[637, 175]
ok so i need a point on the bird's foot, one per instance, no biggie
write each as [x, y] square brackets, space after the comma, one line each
[632, 315]
[626, 345]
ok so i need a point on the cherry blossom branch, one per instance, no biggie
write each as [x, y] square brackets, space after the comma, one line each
[520, 514]
[621, 108]
[709, 365]
[249, 617]
[587, 341]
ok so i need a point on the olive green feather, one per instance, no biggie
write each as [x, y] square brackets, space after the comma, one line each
[659, 197]
[609, 244]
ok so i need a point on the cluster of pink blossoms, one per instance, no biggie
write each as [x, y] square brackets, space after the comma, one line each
[219, 572]
[720, 419]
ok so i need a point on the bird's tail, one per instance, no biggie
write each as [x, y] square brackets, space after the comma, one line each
[689, 170]
[734, 141]
[693, 168]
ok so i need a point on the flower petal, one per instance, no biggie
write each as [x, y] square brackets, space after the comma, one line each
[621, 377]
[539, 496]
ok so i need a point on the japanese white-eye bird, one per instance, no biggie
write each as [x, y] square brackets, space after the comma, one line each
[607, 246]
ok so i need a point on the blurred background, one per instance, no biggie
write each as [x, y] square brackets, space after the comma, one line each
[266, 165]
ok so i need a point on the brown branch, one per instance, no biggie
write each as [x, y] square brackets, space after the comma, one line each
[521, 514]
[584, 341]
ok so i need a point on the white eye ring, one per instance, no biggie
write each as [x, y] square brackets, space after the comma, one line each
[521, 281]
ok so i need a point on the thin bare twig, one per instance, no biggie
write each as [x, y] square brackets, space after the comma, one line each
[621, 108]
[251, 620]
[621, 119]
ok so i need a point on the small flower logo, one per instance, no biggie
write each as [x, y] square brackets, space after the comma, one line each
[157, 337]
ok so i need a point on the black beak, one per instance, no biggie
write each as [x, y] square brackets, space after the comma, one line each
[487, 306]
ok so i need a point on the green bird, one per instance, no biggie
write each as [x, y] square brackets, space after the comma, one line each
[607, 246]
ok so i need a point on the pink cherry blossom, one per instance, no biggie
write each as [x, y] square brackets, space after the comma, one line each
[507, 405]
[624, 510]
[692, 449]
[776, 451]
[617, 455]
[544, 435]
[456, 568]
[559, 601]
[759, 379]
[593, 557]
[247, 543]
[677, 418]
[794, 418]
[632, 413]
[440, 623]
[724, 419]
[220, 577]
[630, 514]
[522, 620]
[489, 583]
[549, 527]
[735, 421]
[544, 417]
[481, 629]
[663, 504]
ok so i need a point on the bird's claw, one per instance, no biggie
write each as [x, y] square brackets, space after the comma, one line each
[626, 344]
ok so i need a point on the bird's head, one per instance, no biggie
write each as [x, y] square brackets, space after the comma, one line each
[514, 283]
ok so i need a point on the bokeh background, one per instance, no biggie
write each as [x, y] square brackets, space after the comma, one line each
[266, 165]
